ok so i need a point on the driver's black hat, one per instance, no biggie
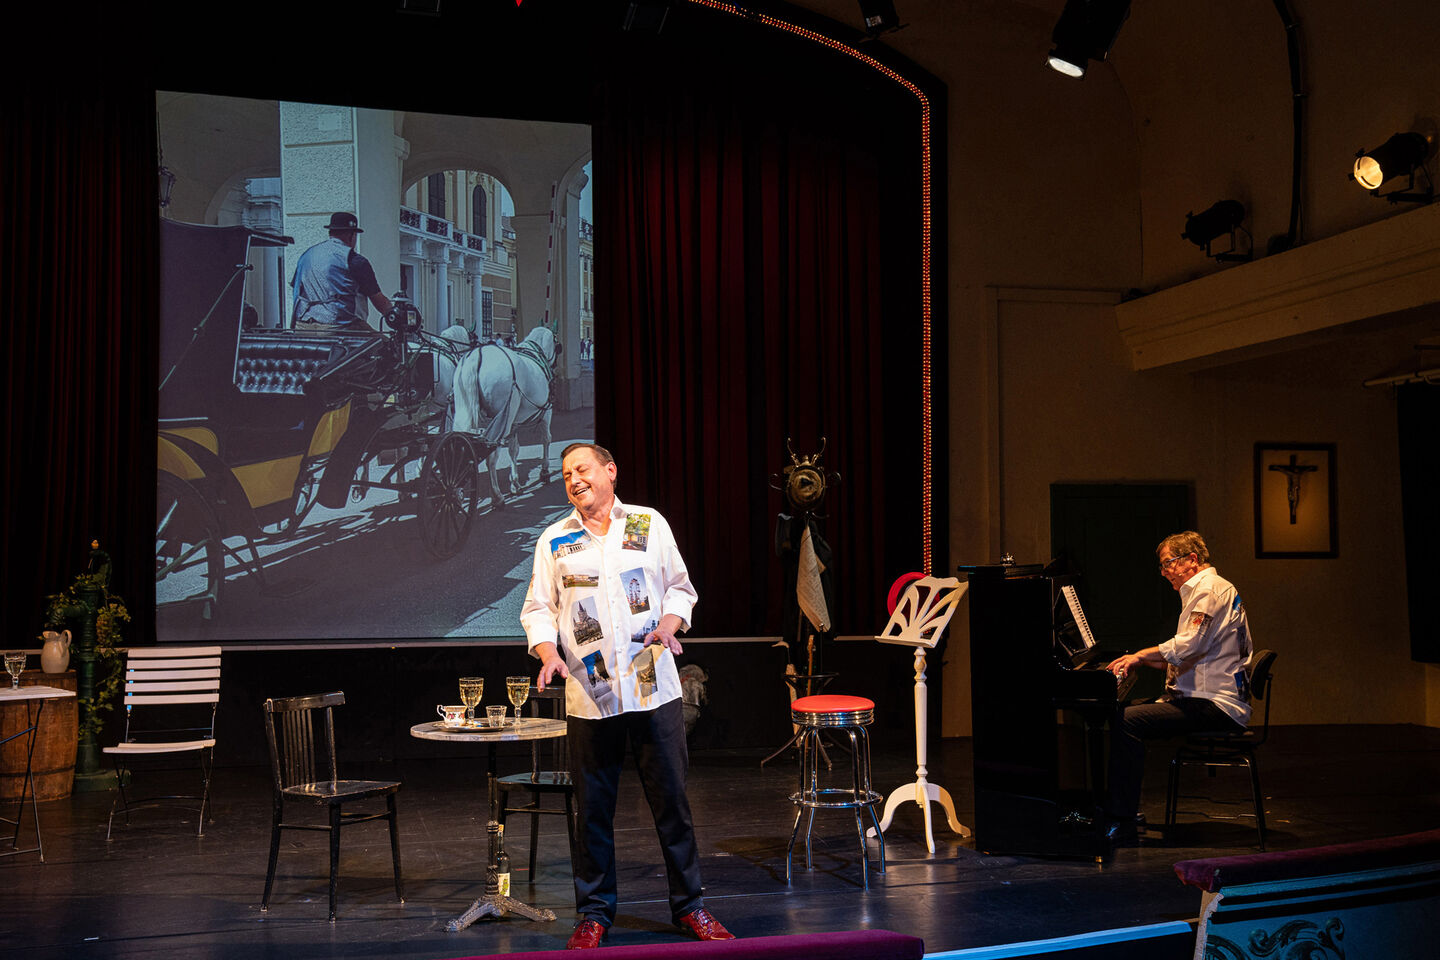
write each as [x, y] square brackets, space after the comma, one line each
[344, 221]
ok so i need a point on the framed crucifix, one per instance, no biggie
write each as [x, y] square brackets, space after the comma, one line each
[1295, 501]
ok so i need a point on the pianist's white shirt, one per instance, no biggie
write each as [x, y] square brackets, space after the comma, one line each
[1207, 655]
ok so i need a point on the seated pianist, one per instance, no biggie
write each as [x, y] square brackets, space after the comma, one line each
[1205, 683]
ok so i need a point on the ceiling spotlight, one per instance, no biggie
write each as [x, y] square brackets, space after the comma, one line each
[1086, 31]
[1400, 156]
[879, 16]
[1204, 228]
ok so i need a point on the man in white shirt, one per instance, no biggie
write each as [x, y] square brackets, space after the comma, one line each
[1206, 688]
[615, 646]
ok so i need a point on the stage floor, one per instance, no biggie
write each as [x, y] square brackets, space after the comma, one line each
[158, 891]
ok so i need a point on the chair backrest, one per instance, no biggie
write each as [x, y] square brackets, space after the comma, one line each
[558, 760]
[294, 753]
[184, 678]
[1259, 670]
[923, 612]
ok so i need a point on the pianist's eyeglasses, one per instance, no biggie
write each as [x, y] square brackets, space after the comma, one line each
[1165, 564]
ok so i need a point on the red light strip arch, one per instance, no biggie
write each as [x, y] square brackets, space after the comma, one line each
[927, 435]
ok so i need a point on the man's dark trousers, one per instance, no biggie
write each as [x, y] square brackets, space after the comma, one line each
[597, 753]
[1154, 721]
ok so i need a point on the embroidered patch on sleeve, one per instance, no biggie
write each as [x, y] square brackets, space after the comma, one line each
[637, 531]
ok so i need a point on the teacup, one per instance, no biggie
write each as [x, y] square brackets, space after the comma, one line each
[453, 715]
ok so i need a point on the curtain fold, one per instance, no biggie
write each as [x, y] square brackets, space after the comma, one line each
[749, 299]
[77, 224]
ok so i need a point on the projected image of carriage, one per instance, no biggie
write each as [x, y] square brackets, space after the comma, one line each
[263, 428]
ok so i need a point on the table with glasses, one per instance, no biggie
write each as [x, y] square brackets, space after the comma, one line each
[493, 903]
[34, 697]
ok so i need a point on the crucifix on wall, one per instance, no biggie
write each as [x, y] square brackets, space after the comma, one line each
[1283, 471]
[1293, 472]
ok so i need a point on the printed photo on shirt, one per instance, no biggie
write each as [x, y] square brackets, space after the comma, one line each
[1198, 619]
[586, 623]
[635, 590]
[638, 637]
[644, 666]
[580, 580]
[637, 531]
[600, 689]
[570, 543]
[595, 669]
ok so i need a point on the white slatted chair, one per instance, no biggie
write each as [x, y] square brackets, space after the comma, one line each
[171, 697]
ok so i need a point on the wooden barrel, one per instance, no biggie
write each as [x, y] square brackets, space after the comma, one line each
[53, 765]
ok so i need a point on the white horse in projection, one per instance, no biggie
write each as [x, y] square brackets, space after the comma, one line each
[495, 390]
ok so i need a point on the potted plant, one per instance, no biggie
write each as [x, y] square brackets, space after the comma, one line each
[88, 604]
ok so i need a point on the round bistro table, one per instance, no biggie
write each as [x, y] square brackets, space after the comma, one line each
[493, 903]
[34, 698]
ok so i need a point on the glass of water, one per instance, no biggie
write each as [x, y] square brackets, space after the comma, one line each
[471, 690]
[518, 690]
[14, 665]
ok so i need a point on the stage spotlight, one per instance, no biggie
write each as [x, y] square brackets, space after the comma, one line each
[1224, 217]
[645, 16]
[1400, 156]
[879, 16]
[1086, 31]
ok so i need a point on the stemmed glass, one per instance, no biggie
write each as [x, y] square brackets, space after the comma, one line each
[471, 690]
[518, 690]
[15, 665]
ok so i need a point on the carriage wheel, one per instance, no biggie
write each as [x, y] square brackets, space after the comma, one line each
[449, 489]
[189, 561]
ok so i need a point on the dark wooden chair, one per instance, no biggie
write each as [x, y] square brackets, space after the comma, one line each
[171, 696]
[295, 764]
[1237, 749]
[538, 781]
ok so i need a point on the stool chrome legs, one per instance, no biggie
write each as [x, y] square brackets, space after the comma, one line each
[859, 796]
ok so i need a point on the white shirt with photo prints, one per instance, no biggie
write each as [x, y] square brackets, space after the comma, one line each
[1206, 657]
[597, 598]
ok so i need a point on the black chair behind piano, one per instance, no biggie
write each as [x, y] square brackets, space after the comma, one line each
[1237, 749]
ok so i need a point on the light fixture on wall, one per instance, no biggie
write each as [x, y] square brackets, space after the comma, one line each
[1223, 217]
[1085, 31]
[1400, 156]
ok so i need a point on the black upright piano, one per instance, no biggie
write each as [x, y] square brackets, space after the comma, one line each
[1041, 724]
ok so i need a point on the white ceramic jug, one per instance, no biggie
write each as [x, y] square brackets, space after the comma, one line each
[55, 655]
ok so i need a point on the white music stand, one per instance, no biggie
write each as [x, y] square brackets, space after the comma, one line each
[918, 621]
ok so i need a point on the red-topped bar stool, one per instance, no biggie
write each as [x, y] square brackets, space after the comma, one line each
[816, 715]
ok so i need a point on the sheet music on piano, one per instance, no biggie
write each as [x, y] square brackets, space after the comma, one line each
[1078, 641]
[1084, 625]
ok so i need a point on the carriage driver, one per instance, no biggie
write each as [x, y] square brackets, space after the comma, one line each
[615, 649]
[332, 283]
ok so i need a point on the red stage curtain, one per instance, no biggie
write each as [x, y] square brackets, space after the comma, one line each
[77, 223]
[751, 292]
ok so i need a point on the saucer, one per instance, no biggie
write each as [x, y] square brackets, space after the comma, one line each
[446, 724]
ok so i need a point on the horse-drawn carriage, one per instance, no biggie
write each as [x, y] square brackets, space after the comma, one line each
[258, 426]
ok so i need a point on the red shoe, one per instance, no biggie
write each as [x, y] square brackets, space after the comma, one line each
[587, 936]
[703, 924]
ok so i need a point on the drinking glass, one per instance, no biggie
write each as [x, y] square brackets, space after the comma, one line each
[518, 690]
[471, 690]
[15, 665]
